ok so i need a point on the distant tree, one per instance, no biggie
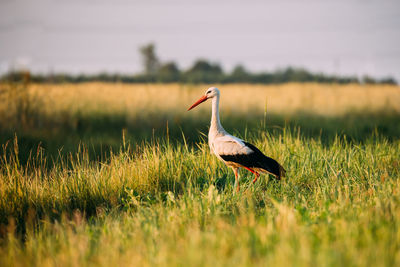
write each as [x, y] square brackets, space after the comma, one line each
[169, 72]
[150, 60]
[203, 71]
[239, 74]
[203, 65]
[239, 70]
[368, 80]
[297, 75]
[388, 80]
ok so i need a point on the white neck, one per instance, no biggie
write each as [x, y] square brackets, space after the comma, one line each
[215, 122]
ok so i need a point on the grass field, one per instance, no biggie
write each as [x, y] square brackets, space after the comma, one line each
[112, 174]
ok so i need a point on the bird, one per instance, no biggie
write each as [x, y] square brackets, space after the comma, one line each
[233, 151]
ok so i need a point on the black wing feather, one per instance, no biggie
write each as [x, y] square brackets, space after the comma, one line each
[256, 159]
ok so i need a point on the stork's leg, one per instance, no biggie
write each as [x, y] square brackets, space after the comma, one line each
[235, 170]
[256, 174]
[249, 169]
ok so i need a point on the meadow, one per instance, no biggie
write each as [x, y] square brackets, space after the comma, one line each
[100, 174]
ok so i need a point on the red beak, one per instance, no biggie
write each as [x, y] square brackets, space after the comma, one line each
[201, 100]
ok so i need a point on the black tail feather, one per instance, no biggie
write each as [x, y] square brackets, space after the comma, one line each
[259, 160]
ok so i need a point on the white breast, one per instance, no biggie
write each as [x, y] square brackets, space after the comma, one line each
[228, 145]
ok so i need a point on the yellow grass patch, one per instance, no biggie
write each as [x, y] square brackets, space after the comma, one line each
[323, 99]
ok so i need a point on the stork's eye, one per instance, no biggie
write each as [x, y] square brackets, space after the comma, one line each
[208, 92]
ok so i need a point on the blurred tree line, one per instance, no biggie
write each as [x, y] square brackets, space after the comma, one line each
[202, 71]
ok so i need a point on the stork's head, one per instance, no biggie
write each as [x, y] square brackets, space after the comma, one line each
[210, 93]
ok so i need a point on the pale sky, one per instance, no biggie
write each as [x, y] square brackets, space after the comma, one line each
[350, 37]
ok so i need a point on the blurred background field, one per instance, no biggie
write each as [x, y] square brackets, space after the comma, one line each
[59, 117]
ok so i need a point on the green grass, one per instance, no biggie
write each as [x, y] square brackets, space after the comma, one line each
[162, 203]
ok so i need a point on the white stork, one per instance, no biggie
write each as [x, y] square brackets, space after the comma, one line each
[235, 152]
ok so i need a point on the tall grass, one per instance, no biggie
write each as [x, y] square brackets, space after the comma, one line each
[168, 201]
[159, 204]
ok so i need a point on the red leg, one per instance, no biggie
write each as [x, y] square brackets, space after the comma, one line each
[249, 169]
[235, 170]
[256, 174]
[256, 177]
